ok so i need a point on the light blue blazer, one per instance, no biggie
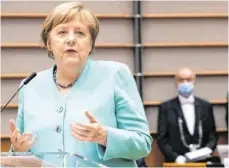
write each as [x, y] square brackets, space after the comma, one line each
[108, 91]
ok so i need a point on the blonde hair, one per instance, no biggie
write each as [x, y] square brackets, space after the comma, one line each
[66, 12]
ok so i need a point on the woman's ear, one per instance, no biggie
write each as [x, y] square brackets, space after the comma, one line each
[50, 53]
[91, 43]
[48, 44]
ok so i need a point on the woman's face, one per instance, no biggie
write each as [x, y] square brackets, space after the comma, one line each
[70, 43]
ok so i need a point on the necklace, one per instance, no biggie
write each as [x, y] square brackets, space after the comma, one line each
[192, 147]
[60, 85]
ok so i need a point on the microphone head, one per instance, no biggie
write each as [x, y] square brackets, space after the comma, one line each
[30, 78]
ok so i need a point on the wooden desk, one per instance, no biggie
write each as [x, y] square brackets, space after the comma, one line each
[5, 143]
[167, 164]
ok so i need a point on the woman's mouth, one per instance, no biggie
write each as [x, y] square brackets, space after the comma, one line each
[70, 51]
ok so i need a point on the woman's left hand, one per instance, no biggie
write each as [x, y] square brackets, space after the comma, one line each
[93, 132]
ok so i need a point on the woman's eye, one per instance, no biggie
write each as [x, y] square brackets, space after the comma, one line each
[80, 33]
[62, 32]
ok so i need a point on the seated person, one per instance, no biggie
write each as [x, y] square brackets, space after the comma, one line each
[185, 123]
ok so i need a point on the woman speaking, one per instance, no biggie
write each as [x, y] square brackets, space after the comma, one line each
[91, 108]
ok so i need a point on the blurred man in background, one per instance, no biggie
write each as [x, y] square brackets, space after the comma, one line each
[185, 123]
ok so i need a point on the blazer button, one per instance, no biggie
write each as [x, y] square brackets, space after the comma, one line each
[58, 129]
[60, 109]
[60, 151]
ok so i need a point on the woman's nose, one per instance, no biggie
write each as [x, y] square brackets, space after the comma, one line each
[71, 39]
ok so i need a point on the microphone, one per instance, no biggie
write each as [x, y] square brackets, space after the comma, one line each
[24, 83]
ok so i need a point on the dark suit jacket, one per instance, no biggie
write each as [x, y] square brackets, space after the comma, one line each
[169, 137]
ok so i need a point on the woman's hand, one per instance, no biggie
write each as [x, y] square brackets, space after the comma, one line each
[20, 142]
[93, 132]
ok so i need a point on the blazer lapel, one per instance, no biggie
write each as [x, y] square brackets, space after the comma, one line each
[197, 114]
[178, 110]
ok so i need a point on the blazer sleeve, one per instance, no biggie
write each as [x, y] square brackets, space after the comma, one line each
[212, 134]
[20, 115]
[162, 138]
[132, 139]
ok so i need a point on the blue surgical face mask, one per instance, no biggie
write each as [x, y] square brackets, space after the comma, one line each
[185, 89]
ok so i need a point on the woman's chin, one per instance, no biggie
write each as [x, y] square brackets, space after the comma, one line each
[72, 61]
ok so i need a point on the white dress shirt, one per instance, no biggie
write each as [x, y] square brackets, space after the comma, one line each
[188, 109]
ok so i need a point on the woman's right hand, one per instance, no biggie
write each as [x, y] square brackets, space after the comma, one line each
[20, 142]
